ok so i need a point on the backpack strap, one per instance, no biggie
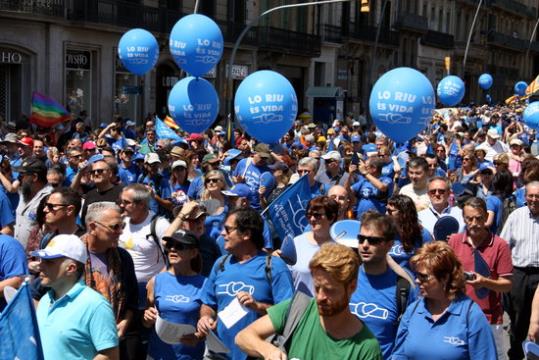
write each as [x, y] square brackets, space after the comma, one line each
[153, 235]
[267, 270]
[221, 266]
[402, 293]
[297, 308]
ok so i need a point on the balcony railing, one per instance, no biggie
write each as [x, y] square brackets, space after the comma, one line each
[231, 31]
[505, 41]
[514, 7]
[438, 40]
[331, 33]
[37, 7]
[368, 33]
[289, 41]
[412, 22]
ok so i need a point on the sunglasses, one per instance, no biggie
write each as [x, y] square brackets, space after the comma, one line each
[54, 207]
[179, 246]
[97, 171]
[437, 191]
[209, 181]
[230, 229]
[373, 240]
[115, 228]
[316, 215]
[423, 277]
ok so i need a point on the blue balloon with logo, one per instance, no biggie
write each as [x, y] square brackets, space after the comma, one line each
[531, 115]
[138, 51]
[401, 103]
[266, 105]
[196, 44]
[194, 104]
[520, 88]
[485, 81]
[450, 90]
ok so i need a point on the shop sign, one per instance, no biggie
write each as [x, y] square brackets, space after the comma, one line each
[239, 72]
[75, 59]
[10, 57]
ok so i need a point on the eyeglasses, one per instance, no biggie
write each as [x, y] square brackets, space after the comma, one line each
[126, 202]
[373, 240]
[470, 219]
[532, 196]
[303, 171]
[230, 229]
[437, 191]
[97, 171]
[79, 156]
[316, 215]
[423, 277]
[209, 181]
[466, 159]
[440, 150]
[115, 228]
[54, 207]
[173, 244]
[391, 211]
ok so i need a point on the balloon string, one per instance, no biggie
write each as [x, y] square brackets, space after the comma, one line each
[196, 7]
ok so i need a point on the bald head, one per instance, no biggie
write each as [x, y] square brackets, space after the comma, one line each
[339, 194]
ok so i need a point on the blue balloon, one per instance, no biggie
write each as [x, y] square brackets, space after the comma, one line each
[450, 90]
[138, 51]
[194, 104]
[520, 88]
[196, 44]
[401, 103]
[485, 81]
[531, 115]
[266, 105]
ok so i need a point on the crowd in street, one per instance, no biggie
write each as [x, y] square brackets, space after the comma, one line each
[117, 230]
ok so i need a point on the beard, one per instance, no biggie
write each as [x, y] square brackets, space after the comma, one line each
[329, 309]
[26, 190]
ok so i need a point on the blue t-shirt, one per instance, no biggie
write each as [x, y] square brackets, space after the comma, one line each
[369, 147]
[401, 256]
[251, 174]
[116, 144]
[495, 204]
[375, 303]
[12, 197]
[214, 224]
[12, 261]
[128, 175]
[177, 299]
[161, 186]
[6, 211]
[520, 196]
[389, 170]
[250, 276]
[462, 332]
[196, 187]
[70, 175]
[370, 198]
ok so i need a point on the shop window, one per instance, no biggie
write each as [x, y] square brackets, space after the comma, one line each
[127, 93]
[78, 81]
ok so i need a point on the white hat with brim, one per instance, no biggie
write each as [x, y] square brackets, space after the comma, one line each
[64, 245]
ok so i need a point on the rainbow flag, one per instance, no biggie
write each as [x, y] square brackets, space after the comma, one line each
[533, 87]
[171, 123]
[46, 112]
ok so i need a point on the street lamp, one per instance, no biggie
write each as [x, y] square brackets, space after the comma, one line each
[470, 36]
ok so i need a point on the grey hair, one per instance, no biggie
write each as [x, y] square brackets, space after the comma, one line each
[310, 162]
[531, 184]
[141, 194]
[95, 210]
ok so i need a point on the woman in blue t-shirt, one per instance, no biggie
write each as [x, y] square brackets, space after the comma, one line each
[174, 295]
[410, 234]
[501, 188]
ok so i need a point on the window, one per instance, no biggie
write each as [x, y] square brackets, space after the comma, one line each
[78, 80]
[127, 93]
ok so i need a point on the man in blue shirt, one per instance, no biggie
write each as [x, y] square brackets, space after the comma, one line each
[372, 189]
[247, 275]
[376, 300]
[12, 265]
[128, 171]
[161, 202]
[75, 322]
[248, 171]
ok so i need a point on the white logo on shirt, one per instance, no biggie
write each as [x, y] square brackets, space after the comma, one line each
[233, 287]
[177, 298]
[397, 250]
[454, 340]
[369, 310]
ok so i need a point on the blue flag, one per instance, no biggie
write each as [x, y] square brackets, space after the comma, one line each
[19, 334]
[287, 212]
[164, 132]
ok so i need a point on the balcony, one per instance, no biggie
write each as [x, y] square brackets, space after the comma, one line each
[514, 7]
[292, 42]
[232, 30]
[469, 2]
[438, 40]
[37, 7]
[534, 47]
[368, 33]
[412, 22]
[331, 33]
[498, 39]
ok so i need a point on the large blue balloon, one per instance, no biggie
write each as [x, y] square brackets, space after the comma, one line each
[138, 51]
[266, 105]
[531, 115]
[196, 44]
[520, 88]
[401, 103]
[485, 81]
[194, 104]
[450, 90]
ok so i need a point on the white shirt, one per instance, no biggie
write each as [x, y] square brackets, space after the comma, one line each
[429, 216]
[147, 257]
[493, 150]
[26, 214]
[521, 231]
[421, 198]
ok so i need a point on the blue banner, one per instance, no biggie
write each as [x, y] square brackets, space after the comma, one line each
[164, 132]
[287, 212]
[19, 334]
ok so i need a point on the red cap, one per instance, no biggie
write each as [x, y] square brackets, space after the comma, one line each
[27, 140]
[195, 137]
[88, 145]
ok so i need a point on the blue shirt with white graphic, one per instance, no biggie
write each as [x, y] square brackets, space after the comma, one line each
[375, 303]
[370, 198]
[251, 174]
[249, 276]
[128, 175]
[401, 256]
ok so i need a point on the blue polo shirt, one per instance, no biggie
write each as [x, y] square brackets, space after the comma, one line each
[462, 332]
[12, 261]
[76, 326]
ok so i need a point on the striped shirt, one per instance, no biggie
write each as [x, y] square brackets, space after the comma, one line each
[521, 231]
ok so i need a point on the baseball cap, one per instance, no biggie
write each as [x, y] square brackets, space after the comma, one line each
[485, 166]
[177, 163]
[493, 133]
[332, 155]
[63, 245]
[95, 158]
[210, 158]
[32, 165]
[218, 128]
[138, 157]
[27, 141]
[195, 137]
[516, 141]
[152, 158]
[128, 149]
[197, 212]
[88, 145]
[11, 138]
[311, 125]
[238, 190]
[356, 123]
[130, 123]
[279, 166]
[263, 150]
[183, 237]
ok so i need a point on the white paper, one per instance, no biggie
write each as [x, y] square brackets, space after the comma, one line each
[9, 293]
[170, 332]
[233, 313]
[214, 344]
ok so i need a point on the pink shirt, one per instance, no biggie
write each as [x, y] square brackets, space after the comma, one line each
[497, 255]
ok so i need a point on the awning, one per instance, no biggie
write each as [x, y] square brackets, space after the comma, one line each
[323, 91]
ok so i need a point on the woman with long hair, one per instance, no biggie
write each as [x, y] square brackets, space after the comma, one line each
[174, 295]
[467, 172]
[410, 234]
[179, 183]
[501, 188]
[443, 323]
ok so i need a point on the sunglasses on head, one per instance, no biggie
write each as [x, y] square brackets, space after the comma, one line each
[373, 240]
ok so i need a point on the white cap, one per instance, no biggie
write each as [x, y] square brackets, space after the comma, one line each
[493, 133]
[332, 155]
[177, 163]
[218, 128]
[152, 158]
[356, 123]
[69, 246]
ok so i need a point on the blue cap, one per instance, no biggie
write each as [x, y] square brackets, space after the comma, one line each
[485, 166]
[103, 125]
[137, 157]
[238, 190]
[95, 158]
[356, 138]
[231, 155]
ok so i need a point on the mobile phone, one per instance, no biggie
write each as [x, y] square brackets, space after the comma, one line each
[355, 159]
[469, 276]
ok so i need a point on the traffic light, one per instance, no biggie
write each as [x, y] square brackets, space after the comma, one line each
[364, 6]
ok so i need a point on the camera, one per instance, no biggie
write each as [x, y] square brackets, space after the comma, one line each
[468, 276]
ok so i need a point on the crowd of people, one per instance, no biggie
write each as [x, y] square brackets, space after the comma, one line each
[117, 230]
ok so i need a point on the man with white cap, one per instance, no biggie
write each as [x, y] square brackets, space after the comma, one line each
[492, 145]
[74, 321]
[161, 202]
[333, 174]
